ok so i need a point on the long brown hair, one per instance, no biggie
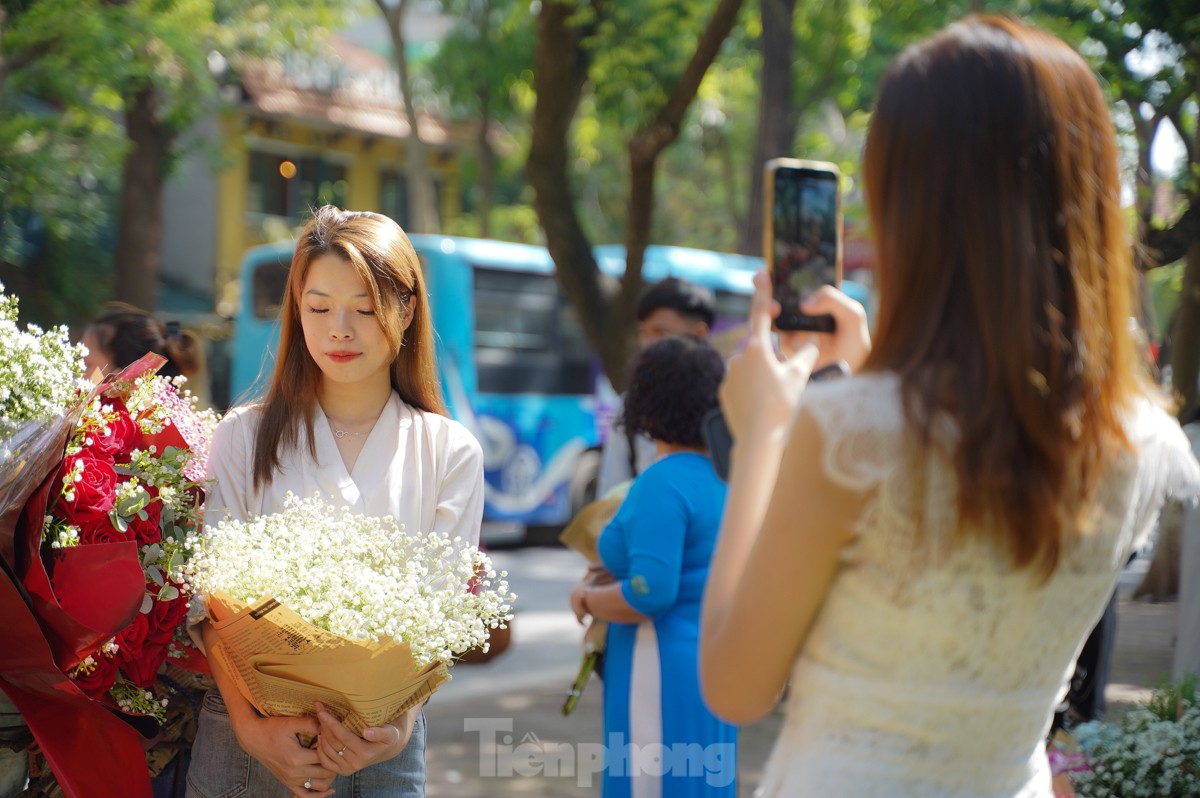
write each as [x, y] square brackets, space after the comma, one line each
[1004, 269]
[387, 263]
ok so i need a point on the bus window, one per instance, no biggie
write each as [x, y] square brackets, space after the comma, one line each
[526, 339]
[732, 309]
[270, 278]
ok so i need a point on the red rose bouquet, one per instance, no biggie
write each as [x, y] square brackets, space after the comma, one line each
[132, 473]
[97, 492]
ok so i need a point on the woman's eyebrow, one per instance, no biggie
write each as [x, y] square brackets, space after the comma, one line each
[318, 292]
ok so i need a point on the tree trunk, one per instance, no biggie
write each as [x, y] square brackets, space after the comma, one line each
[1185, 336]
[139, 229]
[561, 63]
[487, 157]
[487, 165]
[776, 112]
[560, 71]
[423, 213]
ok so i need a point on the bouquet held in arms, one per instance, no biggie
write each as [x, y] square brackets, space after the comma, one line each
[133, 472]
[321, 604]
[98, 489]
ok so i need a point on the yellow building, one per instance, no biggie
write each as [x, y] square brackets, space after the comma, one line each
[291, 135]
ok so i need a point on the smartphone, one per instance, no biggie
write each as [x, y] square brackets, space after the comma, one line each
[802, 242]
[715, 429]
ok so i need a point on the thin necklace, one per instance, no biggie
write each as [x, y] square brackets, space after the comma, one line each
[341, 433]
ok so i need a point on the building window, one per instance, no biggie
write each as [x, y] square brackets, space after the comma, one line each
[288, 186]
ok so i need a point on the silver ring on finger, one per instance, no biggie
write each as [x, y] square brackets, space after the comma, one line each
[308, 784]
[342, 751]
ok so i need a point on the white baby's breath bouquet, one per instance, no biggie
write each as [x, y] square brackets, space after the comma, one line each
[41, 371]
[357, 576]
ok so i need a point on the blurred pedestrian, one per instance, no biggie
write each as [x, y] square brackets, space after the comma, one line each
[656, 554]
[671, 306]
[123, 333]
[919, 550]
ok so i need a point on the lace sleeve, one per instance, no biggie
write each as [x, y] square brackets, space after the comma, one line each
[1166, 465]
[861, 421]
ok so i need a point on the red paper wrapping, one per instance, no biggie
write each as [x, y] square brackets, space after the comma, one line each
[53, 618]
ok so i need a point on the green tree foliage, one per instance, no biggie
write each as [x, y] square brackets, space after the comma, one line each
[96, 99]
[484, 70]
[60, 146]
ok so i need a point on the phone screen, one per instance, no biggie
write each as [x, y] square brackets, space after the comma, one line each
[804, 237]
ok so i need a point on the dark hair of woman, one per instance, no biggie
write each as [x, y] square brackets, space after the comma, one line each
[1003, 263]
[125, 333]
[672, 386]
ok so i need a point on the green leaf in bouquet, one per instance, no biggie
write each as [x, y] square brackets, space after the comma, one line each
[168, 593]
[147, 604]
[119, 523]
[155, 575]
[133, 504]
[166, 520]
[152, 553]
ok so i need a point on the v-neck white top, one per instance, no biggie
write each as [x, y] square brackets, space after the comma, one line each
[422, 469]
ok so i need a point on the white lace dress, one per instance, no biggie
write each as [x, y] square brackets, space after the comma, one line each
[934, 666]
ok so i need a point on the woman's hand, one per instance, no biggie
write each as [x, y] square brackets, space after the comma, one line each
[760, 391]
[273, 742]
[344, 752]
[849, 342]
[578, 601]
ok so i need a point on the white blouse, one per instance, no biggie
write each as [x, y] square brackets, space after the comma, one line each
[422, 469]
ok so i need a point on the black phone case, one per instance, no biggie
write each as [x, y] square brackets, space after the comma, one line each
[719, 441]
[792, 320]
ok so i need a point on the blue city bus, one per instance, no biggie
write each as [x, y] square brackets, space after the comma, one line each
[515, 365]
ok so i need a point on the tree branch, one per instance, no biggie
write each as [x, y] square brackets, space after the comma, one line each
[650, 141]
[1169, 244]
[561, 63]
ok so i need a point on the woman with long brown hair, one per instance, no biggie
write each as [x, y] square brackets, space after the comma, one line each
[922, 548]
[354, 412]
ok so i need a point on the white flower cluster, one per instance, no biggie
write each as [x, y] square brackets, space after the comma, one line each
[41, 371]
[1145, 756]
[356, 576]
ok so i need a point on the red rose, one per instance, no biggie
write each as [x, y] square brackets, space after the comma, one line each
[102, 676]
[165, 618]
[100, 530]
[143, 670]
[150, 530]
[94, 491]
[124, 435]
[132, 639]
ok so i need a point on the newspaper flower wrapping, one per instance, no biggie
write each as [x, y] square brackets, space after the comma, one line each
[368, 598]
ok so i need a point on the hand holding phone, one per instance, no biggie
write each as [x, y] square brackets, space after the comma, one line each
[802, 237]
[716, 432]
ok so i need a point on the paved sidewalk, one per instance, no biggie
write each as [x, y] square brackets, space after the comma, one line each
[519, 744]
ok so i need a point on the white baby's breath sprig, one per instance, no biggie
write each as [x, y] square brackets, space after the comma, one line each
[41, 371]
[357, 576]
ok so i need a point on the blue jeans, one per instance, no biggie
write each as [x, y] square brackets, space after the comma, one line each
[221, 769]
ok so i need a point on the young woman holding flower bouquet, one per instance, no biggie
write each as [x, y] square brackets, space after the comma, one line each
[918, 551]
[354, 413]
